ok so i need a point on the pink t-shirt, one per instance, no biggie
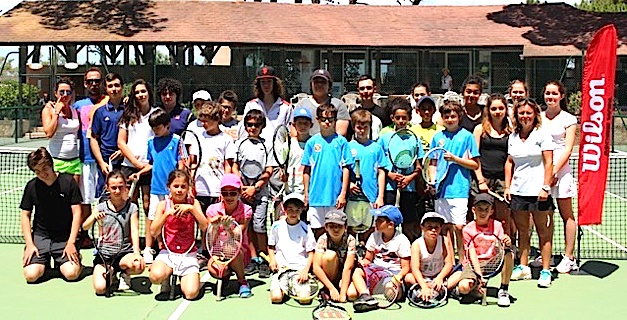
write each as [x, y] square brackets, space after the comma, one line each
[242, 215]
[472, 229]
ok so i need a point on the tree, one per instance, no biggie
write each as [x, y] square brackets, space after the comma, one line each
[9, 71]
[9, 90]
[603, 5]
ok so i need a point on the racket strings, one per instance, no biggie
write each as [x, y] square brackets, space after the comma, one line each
[490, 254]
[224, 243]
[330, 312]
[299, 289]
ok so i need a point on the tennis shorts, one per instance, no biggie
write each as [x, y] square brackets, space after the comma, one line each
[531, 203]
[316, 215]
[116, 263]
[144, 179]
[154, 202]
[260, 215]
[73, 166]
[496, 185]
[48, 248]
[186, 264]
[358, 213]
[565, 187]
[89, 178]
[407, 206]
[453, 210]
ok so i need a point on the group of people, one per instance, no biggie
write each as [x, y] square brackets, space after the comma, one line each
[508, 146]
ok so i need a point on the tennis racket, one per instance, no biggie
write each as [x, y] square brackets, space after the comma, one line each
[224, 242]
[281, 143]
[327, 310]
[252, 156]
[382, 285]
[358, 206]
[402, 151]
[434, 175]
[437, 298]
[497, 196]
[190, 152]
[290, 286]
[179, 238]
[108, 237]
[486, 253]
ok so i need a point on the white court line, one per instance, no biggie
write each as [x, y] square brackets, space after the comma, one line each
[10, 191]
[185, 303]
[602, 236]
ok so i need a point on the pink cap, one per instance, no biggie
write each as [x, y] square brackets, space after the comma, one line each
[231, 180]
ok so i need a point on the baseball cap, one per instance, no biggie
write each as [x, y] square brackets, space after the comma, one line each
[389, 211]
[432, 215]
[266, 72]
[294, 197]
[201, 94]
[302, 112]
[335, 216]
[483, 197]
[425, 98]
[321, 73]
[230, 180]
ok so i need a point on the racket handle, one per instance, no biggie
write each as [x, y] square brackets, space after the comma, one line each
[398, 198]
[264, 256]
[219, 289]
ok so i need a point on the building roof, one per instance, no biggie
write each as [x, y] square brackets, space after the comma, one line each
[253, 23]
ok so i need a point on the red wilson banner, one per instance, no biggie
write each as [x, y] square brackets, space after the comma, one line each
[597, 107]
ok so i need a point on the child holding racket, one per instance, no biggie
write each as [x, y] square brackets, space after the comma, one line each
[175, 220]
[327, 159]
[335, 256]
[452, 171]
[468, 281]
[432, 256]
[231, 207]
[388, 249]
[291, 245]
[129, 260]
[400, 111]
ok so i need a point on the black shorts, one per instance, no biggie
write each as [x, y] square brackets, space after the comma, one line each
[116, 262]
[496, 185]
[206, 201]
[531, 203]
[49, 248]
[408, 206]
[144, 179]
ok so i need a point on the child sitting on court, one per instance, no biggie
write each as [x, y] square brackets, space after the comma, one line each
[291, 244]
[129, 260]
[370, 155]
[179, 213]
[469, 283]
[432, 256]
[327, 160]
[231, 207]
[335, 256]
[387, 248]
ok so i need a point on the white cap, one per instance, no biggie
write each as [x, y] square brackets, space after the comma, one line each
[432, 215]
[201, 94]
[294, 197]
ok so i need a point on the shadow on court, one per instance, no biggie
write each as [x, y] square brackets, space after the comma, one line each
[55, 273]
[599, 269]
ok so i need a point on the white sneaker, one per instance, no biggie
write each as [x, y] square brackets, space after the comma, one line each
[165, 286]
[503, 298]
[545, 279]
[149, 255]
[566, 265]
[125, 282]
[521, 272]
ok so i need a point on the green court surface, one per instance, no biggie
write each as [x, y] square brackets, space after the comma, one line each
[571, 296]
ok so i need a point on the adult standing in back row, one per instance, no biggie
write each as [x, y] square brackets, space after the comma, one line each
[321, 84]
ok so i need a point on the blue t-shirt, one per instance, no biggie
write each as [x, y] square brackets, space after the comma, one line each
[326, 156]
[384, 140]
[460, 143]
[371, 158]
[164, 156]
[105, 126]
[179, 118]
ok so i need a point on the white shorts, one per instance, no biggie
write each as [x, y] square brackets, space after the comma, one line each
[89, 179]
[565, 187]
[154, 201]
[453, 210]
[315, 216]
[181, 265]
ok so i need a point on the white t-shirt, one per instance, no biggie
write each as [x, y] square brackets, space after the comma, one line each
[279, 113]
[556, 127]
[137, 136]
[528, 176]
[388, 254]
[431, 263]
[292, 243]
[216, 150]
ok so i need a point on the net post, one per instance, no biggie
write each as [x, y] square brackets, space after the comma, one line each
[579, 271]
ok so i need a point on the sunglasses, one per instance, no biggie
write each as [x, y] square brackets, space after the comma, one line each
[253, 125]
[93, 81]
[229, 193]
[65, 92]
[365, 88]
[419, 94]
[326, 119]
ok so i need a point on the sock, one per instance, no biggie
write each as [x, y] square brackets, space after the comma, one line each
[505, 286]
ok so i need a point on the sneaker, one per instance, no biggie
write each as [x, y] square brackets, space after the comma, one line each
[454, 294]
[503, 296]
[521, 272]
[251, 268]
[149, 255]
[125, 282]
[545, 279]
[264, 270]
[244, 290]
[202, 262]
[365, 302]
[166, 286]
[566, 265]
